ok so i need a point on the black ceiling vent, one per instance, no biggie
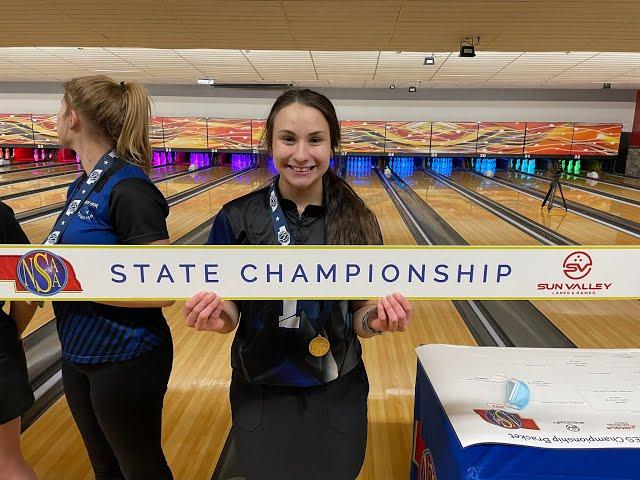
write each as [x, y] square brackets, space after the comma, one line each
[255, 86]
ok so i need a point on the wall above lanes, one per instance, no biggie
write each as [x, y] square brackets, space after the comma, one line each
[484, 105]
[360, 136]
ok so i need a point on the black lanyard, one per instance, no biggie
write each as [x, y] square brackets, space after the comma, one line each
[278, 219]
[78, 197]
[281, 230]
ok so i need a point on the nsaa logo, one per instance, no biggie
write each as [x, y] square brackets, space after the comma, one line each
[42, 273]
[422, 456]
[577, 265]
[508, 420]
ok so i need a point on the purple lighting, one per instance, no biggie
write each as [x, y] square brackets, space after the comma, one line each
[240, 161]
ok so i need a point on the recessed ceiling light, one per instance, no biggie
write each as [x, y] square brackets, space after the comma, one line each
[392, 86]
[429, 60]
[412, 89]
[206, 81]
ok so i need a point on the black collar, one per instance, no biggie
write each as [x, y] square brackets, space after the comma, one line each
[309, 211]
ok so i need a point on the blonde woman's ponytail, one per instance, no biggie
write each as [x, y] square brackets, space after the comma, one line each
[118, 111]
[133, 142]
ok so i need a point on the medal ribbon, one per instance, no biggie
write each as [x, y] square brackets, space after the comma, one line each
[281, 230]
[78, 197]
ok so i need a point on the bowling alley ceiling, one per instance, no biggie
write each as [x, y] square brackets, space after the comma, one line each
[408, 25]
[329, 43]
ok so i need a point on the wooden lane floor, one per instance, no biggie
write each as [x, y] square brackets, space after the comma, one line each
[609, 205]
[588, 324]
[391, 360]
[631, 181]
[32, 174]
[596, 324]
[71, 169]
[38, 230]
[571, 225]
[34, 183]
[17, 166]
[57, 195]
[197, 415]
[632, 193]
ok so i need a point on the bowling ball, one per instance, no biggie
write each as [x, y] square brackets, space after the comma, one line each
[489, 173]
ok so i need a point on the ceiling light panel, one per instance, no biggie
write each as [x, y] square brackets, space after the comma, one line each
[90, 58]
[333, 65]
[220, 63]
[277, 64]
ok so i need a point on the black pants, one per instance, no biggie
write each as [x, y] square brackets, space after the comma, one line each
[15, 391]
[118, 410]
[301, 433]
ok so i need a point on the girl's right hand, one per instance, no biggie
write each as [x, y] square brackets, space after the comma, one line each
[203, 311]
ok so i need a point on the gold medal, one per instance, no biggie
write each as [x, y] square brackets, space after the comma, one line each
[319, 346]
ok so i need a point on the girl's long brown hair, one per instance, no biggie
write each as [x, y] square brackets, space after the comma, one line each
[349, 221]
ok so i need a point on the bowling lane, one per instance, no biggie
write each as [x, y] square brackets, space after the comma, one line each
[39, 172]
[621, 191]
[63, 181]
[614, 207]
[391, 360]
[35, 183]
[472, 221]
[157, 173]
[588, 324]
[571, 225]
[630, 181]
[197, 415]
[17, 166]
[38, 229]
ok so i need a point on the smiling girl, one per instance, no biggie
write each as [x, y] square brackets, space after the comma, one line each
[299, 388]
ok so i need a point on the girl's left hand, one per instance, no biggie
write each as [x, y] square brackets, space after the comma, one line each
[394, 314]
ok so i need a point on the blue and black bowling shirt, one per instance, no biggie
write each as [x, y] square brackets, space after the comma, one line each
[265, 351]
[125, 207]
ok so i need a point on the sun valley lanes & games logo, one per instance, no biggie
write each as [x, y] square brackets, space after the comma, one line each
[576, 266]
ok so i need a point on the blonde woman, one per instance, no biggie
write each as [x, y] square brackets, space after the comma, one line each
[116, 357]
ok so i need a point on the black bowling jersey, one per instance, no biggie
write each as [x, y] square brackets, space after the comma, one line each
[10, 232]
[265, 349]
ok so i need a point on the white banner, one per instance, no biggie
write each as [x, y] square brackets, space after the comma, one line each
[330, 272]
[579, 398]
